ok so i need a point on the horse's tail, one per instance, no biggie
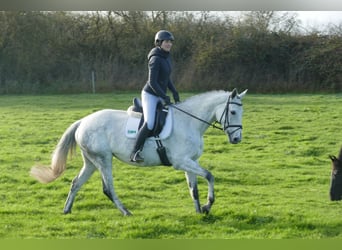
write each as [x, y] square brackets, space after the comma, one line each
[59, 158]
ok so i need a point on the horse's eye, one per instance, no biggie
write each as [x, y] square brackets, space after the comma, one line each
[233, 112]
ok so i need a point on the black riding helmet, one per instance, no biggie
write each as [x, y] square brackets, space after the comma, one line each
[161, 36]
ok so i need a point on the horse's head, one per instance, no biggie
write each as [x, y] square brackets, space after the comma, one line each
[230, 116]
[336, 178]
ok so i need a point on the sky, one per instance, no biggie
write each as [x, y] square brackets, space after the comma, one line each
[319, 19]
[313, 20]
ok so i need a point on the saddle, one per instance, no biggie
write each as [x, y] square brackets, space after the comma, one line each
[160, 118]
[161, 130]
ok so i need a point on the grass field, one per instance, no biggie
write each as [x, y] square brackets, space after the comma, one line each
[273, 185]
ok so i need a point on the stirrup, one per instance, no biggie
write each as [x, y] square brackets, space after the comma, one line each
[135, 157]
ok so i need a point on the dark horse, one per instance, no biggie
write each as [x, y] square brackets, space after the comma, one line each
[336, 177]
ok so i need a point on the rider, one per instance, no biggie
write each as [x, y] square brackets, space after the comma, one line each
[155, 89]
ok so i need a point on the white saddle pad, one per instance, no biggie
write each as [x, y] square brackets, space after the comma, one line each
[132, 125]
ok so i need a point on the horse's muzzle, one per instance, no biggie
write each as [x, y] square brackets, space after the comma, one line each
[234, 139]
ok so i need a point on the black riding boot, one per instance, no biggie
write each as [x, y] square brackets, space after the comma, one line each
[141, 137]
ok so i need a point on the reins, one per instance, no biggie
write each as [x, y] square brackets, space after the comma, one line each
[195, 117]
[225, 111]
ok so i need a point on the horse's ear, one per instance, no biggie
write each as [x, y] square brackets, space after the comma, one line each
[234, 93]
[241, 95]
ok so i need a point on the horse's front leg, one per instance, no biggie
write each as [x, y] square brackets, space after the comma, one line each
[193, 169]
[211, 196]
[192, 184]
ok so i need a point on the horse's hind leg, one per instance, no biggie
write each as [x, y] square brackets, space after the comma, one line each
[108, 188]
[192, 184]
[87, 170]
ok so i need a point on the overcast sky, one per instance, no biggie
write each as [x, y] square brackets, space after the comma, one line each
[319, 18]
[313, 20]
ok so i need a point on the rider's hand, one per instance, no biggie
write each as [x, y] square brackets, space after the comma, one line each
[167, 100]
[176, 97]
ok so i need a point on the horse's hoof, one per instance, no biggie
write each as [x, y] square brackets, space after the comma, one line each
[206, 209]
[127, 213]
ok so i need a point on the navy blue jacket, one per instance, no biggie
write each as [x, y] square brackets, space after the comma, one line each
[159, 65]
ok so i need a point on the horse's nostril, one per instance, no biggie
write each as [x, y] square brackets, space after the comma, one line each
[235, 140]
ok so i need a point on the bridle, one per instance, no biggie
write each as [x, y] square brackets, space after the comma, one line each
[225, 114]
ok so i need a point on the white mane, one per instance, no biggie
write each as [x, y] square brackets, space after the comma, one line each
[208, 97]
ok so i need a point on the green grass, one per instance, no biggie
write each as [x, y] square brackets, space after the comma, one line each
[274, 184]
